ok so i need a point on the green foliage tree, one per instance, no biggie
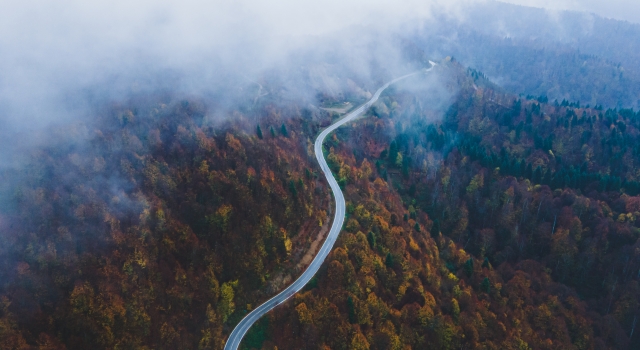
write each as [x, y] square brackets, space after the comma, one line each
[259, 132]
[371, 238]
[468, 267]
[485, 286]
[351, 310]
[389, 260]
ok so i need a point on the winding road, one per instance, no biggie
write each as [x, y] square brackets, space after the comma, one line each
[241, 328]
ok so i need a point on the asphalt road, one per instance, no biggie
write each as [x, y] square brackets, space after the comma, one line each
[241, 329]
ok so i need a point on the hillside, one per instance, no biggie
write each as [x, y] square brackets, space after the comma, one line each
[561, 55]
[491, 204]
[481, 231]
[153, 227]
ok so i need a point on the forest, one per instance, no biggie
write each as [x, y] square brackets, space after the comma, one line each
[502, 222]
[563, 55]
[511, 224]
[153, 229]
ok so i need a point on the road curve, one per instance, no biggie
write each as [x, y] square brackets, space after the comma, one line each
[241, 328]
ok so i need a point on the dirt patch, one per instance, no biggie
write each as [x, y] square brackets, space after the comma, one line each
[306, 245]
[315, 245]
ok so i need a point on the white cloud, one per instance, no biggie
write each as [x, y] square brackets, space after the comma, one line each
[51, 50]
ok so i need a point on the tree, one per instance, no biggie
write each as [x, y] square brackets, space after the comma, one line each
[485, 286]
[371, 238]
[359, 342]
[226, 305]
[468, 267]
[259, 132]
[455, 309]
[292, 188]
[537, 175]
[528, 172]
[283, 130]
[388, 261]
[305, 315]
[351, 310]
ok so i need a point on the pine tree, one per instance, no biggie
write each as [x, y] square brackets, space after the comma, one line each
[388, 261]
[351, 310]
[537, 175]
[283, 130]
[468, 267]
[485, 286]
[371, 238]
[259, 132]
[486, 263]
[292, 188]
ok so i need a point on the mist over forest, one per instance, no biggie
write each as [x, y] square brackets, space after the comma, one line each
[159, 182]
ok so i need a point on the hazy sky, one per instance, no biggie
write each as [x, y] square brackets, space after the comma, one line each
[628, 10]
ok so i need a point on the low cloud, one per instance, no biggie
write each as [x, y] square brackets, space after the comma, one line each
[60, 59]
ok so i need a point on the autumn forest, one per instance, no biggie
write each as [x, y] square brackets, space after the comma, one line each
[501, 220]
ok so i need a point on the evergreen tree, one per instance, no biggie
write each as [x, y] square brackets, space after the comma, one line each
[259, 132]
[388, 261]
[371, 238]
[537, 175]
[468, 267]
[485, 286]
[351, 310]
[283, 130]
[485, 263]
[292, 188]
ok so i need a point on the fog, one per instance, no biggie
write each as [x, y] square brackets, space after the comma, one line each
[627, 10]
[59, 60]
[51, 50]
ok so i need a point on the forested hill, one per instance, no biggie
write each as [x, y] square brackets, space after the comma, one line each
[511, 224]
[563, 55]
[154, 227]
[475, 219]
